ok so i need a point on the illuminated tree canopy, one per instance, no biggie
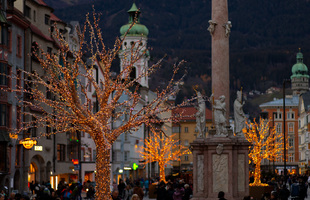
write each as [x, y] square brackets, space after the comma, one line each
[162, 149]
[70, 108]
[266, 144]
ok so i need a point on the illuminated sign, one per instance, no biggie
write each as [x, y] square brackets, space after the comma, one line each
[75, 161]
[38, 148]
[135, 166]
[28, 143]
[120, 171]
[127, 168]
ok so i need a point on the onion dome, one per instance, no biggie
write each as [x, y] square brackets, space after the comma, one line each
[299, 70]
[137, 29]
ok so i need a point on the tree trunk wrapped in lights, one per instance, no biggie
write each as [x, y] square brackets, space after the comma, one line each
[71, 108]
[266, 144]
[162, 149]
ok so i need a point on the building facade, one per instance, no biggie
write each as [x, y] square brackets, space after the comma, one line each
[186, 132]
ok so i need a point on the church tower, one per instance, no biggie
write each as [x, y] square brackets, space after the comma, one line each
[136, 38]
[300, 77]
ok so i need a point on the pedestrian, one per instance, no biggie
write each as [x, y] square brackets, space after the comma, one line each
[178, 193]
[66, 195]
[146, 186]
[170, 191]
[284, 193]
[138, 190]
[221, 195]
[121, 187]
[115, 195]
[187, 192]
[161, 191]
[135, 197]
[127, 193]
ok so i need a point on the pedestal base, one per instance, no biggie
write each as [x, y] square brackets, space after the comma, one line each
[220, 164]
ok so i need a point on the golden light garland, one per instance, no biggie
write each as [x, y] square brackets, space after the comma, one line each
[69, 106]
[162, 149]
[266, 144]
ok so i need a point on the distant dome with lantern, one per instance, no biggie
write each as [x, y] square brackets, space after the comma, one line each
[137, 29]
[299, 69]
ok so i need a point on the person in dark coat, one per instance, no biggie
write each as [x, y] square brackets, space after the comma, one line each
[138, 190]
[187, 192]
[121, 188]
[161, 191]
[284, 193]
[221, 195]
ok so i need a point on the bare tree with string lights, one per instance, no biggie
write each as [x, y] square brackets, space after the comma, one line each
[266, 143]
[163, 149]
[67, 112]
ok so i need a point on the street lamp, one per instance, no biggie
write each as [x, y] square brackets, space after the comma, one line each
[284, 81]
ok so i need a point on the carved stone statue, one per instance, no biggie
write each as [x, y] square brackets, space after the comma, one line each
[239, 115]
[219, 108]
[201, 116]
[211, 27]
[227, 27]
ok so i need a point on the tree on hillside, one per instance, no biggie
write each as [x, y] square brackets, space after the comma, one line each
[162, 149]
[71, 109]
[266, 144]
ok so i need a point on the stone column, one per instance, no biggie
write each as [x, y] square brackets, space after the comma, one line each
[220, 29]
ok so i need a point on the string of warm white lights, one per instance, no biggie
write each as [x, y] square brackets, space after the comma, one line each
[162, 149]
[66, 78]
[266, 142]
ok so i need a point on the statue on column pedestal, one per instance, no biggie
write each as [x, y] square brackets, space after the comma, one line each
[239, 115]
[201, 116]
[220, 121]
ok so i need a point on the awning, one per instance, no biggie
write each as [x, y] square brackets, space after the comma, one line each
[4, 136]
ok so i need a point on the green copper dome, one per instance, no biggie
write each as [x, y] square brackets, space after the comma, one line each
[299, 69]
[137, 29]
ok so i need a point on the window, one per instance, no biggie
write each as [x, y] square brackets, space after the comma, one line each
[175, 129]
[49, 50]
[185, 129]
[291, 157]
[3, 114]
[61, 152]
[19, 79]
[18, 117]
[89, 156]
[48, 92]
[17, 157]
[291, 142]
[34, 129]
[290, 115]
[48, 131]
[3, 74]
[27, 11]
[186, 157]
[19, 46]
[3, 157]
[126, 156]
[83, 154]
[279, 127]
[10, 40]
[47, 19]
[185, 142]
[126, 136]
[34, 15]
[94, 154]
[299, 140]
[291, 128]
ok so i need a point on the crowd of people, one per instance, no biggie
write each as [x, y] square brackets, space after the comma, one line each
[44, 191]
[172, 190]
